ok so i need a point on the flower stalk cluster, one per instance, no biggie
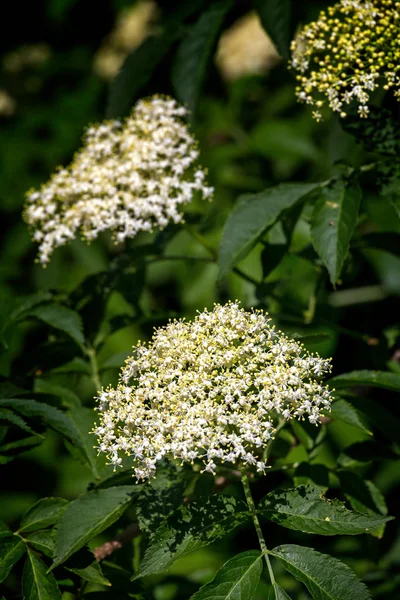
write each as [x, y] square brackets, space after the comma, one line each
[211, 391]
[350, 51]
[129, 176]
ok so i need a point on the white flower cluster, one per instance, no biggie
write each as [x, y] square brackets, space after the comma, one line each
[350, 51]
[129, 176]
[209, 390]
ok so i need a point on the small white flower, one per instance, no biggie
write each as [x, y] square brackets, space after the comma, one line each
[128, 177]
[209, 390]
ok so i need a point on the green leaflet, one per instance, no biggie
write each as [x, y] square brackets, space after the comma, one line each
[252, 216]
[61, 318]
[137, 69]
[68, 397]
[88, 516]
[42, 541]
[53, 417]
[37, 584]
[275, 18]
[84, 419]
[344, 411]
[325, 577]
[380, 379]
[236, 580]
[11, 550]
[333, 221]
[195, 51]
[305, 509]
[191, 527]
[42, 514]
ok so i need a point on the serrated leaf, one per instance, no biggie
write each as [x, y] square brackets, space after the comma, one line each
[11, 550]
[42, 541]
[325, 577]
[61, 318]
[279, 593]
[84, 419]
[236, 580]
[252, 216]
[380, 379]
[195, 51]
[88, 516]
[42, 514]
[275, 18]
[68, 397]
[189, 528]
[10, 416]
[92, 573]
[343, 411]
[356, 489]
[378, 501]
[53, 417]
[83, 563]
[305, 509]
[158, 498]
[332, 224]
[37, 584]
[76, 365]
[137, 70]
[379, 417]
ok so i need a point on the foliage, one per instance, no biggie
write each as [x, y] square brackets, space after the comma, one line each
[304, 224]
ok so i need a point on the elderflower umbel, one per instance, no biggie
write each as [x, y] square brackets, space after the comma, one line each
[130, 176]
[209, 390]
[352, 49]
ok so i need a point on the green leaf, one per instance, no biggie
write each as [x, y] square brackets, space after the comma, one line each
[10, 416]
[236, 580]
[52, 417]
[158, 498]
[252, 216]
[342, 410]
[279, 593]
[366, 451]
[333, 221]
[45, 512]
[37, 584]
[379, 417]
[83, 563]
[189, 528]
[11, 550]
[305, 509]
[88, 516]
[137, 70]
[195, 51]
[367, 489]
[275, 18]
[380, 379]
[92, 573]
[68, 397]
[61, 318]
[325, 577]
[84, 419]
[358, 491]
[42, 541]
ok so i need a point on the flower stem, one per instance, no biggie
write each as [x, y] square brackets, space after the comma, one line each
[91, 352]
[253, 512]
